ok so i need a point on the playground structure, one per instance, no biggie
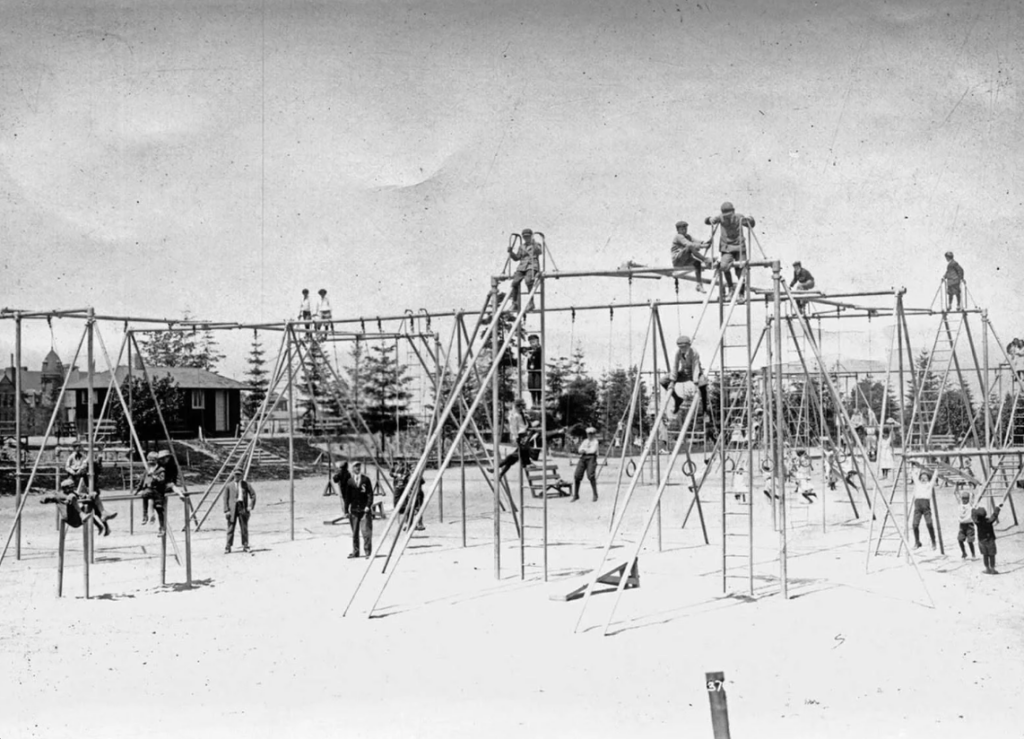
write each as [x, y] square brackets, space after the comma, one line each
[747, 365]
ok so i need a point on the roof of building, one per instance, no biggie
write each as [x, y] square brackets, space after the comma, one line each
[187, 378]
[31, 380]
[52, 364]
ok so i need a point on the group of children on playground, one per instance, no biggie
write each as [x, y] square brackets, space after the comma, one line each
[690, 255]
[76, 502]
[323, 311]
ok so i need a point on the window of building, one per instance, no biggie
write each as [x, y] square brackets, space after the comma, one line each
[198, 400]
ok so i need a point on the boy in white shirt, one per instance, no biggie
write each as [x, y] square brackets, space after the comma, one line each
[966, 533]
[323, 310]
[588, 450]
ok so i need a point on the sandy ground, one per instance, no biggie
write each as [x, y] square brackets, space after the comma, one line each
[259, 648]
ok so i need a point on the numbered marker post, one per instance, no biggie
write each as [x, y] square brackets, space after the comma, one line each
[715, 683]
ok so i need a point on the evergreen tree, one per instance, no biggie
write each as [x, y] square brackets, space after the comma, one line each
[257, 377]
[188, 348]
[384, 399]
[615, 394]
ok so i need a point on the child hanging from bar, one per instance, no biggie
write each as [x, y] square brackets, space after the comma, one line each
[987, 537]
[966, 532]
[924, 486]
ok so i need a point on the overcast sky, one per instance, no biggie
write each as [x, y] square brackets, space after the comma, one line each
[218, 157]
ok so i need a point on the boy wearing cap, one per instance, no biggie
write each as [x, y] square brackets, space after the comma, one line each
[802, 278]
[687, 368]
[688, 255]
[953, 277]
[987, 537]
[587, 464]
[528, 257]
[731, 242]
[534, 360]
[239, 501]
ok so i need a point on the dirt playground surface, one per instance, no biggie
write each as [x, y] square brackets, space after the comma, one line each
[259, 648]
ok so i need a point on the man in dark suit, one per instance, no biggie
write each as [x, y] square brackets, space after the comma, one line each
[239, 500]
[358, 498]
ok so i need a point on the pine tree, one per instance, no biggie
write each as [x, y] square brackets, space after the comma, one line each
[257, 377]
[384, 399]
[188, 348]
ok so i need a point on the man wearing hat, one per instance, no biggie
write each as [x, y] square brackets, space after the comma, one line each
[953, 277]
[358, 498]
[588, 450]
[731, 242]
[802, 280]
[239, 501]
[688, 255]
[528, 257]
[687, 368]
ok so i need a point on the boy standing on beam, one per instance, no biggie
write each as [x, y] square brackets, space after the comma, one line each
[953, 278]
[731, 242]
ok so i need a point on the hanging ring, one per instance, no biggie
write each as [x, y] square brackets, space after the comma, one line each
[630, 468]
[689, 467]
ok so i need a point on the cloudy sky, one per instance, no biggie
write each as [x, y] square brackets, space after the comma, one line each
[160, 156]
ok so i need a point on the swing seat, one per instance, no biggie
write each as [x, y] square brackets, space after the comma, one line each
[534, 476]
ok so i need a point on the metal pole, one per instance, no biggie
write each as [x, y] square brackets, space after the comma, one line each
[495, 430]
[129, 412]
[749, 404]
[185, 504]
[542, 296]
[655, 432]
[17, 434]
[985, 389]
[440, 437]
[91, 432]
[780, 479]
[462, 441]
[291, 438]
[62, 528]
[904, 431]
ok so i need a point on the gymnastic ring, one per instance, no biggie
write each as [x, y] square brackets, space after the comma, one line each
[766, 465]
[630, 468]
[689, 467]
[729, 465]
